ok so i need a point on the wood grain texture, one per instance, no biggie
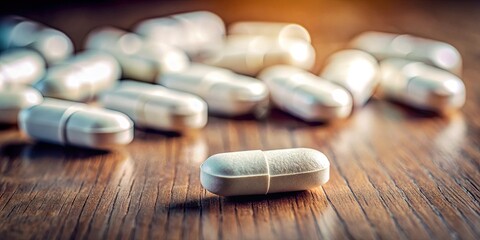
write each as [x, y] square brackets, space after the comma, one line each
[395, 173]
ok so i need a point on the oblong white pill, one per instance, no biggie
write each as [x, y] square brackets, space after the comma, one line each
[305, 95]
[21, 66]
[262, 172]
[276, 30]
[225, 92]
[354, 70]
[248, 54]
[421, 86]
[52, 44]
[70, 123]
[386, 45]
[193, 32]
[80, 78]
[15, 98]
[156, 107]
[139, 60]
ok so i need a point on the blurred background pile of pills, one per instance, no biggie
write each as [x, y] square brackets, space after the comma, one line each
[169, 73]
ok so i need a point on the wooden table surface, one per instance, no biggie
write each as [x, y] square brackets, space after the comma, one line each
[395, 173]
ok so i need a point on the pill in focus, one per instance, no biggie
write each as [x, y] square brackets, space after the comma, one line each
[156, 107]
[263, 172]
[70, 123]
[305, 95]
[421, 86]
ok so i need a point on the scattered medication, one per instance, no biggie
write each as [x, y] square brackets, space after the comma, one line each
[80, 78]
[305, 95]
[354, 70]
[193, 32]
[225, 92]
[421, 86]
[70, 123]
[387, 45]
[156, 107]
[15, 98]
[247, 54]
[277, 30]
[21, 67]
[263, 172]
[53, 45]
[140, 60]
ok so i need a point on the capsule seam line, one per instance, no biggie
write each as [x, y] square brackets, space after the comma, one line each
[206, 84]
[268, 172]
[63, 123]
[140, 109]
[91, 93]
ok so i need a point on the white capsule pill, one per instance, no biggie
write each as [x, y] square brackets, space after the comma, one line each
[21, 66]
[387, 45]
[80, 78]
[305, 95]
[354, 70]
[276, 30]
[421, 86]
[70, 123]
[139, 59]
[15, 98]
[247, 54]
[225, 92]
[262, 172]
[52, 44]
[156, 107]
[193, 32]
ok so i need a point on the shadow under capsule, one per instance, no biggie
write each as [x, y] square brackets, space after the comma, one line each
[32, 162]
[280, 119]
[397, 110]
[6, 127]
[273, 198]
[154, 134]
[38, 150]
[285, 209]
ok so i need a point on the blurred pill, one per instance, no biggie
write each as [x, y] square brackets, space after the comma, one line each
[276, 30]
[354, 70]
[387, 45]
[21, 67]
[247, 54]
[225, 92]
[80, 78]
[305, 95]
[421, 86]
[156, 107]
[15, 98]
[52, 44]
[139, 60]
[193, 32]
[70, 123]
